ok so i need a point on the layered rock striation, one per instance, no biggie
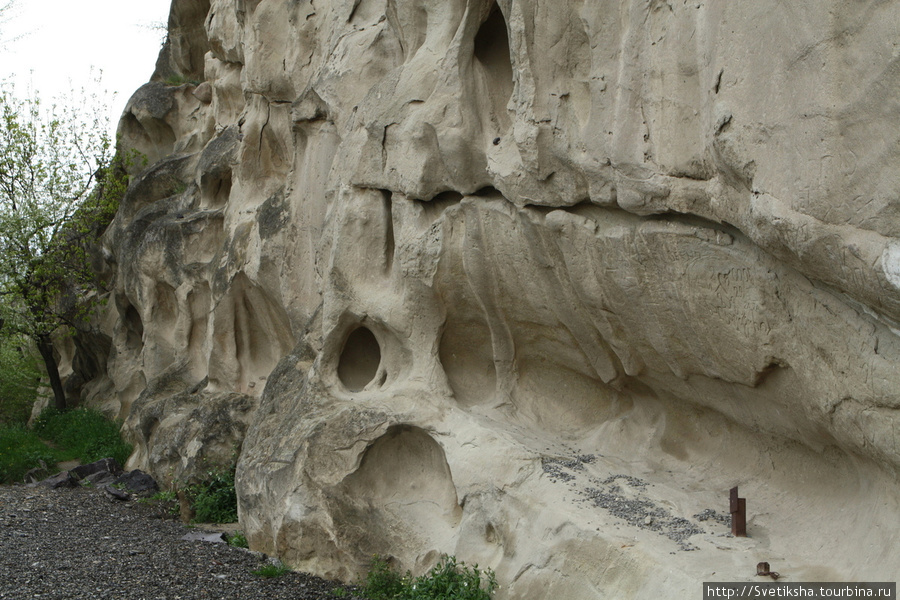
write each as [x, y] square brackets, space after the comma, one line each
[532, 283]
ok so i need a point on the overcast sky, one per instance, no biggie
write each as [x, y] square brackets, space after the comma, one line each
[62, 40]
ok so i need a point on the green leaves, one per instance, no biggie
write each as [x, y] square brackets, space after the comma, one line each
[270, 570]
[214, 499]
[447, 580]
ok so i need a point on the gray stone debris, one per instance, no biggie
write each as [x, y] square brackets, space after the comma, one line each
[631, 505]
[77, 544]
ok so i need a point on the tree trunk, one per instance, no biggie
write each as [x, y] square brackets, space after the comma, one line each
[45, 347]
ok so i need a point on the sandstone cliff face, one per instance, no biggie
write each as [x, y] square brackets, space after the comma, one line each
[529, 282]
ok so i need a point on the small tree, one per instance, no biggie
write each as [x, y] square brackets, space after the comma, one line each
[58, 191]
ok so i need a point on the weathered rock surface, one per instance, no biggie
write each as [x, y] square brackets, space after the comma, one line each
[532, 283]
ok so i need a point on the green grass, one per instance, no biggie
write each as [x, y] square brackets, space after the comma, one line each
[178, 79]
[271, 570]
[19, 378]
[83, 434]
[22, 450]
[165, 501]
[448, 580]
[165, 496]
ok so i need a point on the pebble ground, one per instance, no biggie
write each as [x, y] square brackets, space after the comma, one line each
[70, 544]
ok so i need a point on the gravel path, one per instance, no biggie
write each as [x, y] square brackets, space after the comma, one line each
[78, 543]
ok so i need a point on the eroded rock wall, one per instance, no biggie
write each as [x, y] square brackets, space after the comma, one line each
[480, 278]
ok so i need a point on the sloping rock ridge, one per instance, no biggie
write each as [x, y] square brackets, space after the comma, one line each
[531, 283]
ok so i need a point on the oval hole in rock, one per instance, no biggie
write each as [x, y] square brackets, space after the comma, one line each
[359, 360]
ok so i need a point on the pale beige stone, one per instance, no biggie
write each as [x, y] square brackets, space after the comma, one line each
[203, 92]
[472, 260]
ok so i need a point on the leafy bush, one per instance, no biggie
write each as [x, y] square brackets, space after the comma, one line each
[83, 433]
[20, 451]
[383, 583]
[238, 540]
[19, 378]
[447, 580]
[271, 570]
[214, 499]
[211, 500]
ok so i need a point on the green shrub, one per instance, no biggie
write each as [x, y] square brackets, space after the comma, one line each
[83, 434]
[238, 540]
[271, 570]
[383, 583]
[20, 451]
[448, 580]
[213, 499]
[19, 379]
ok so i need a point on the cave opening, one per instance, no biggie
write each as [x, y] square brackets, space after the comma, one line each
[492, 51]
[359, 359]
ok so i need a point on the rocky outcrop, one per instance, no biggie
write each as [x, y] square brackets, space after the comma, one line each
[532, 283]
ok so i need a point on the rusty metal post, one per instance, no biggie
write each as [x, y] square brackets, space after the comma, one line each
[738, 514]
